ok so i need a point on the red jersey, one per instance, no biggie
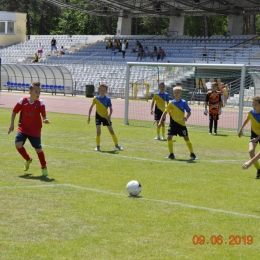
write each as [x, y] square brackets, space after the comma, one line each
[30, 121]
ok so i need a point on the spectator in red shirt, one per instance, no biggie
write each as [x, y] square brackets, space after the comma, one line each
[30, 123]
[161, 54]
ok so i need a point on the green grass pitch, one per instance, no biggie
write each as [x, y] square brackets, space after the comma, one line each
[82, 211]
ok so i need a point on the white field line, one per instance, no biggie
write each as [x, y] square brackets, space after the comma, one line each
[164, 160]
[142, 159]
[228, 212]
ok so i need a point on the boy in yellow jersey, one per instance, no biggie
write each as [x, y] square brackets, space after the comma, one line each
[176, 108]
[103, 103]
[254, 116]
[159, 98]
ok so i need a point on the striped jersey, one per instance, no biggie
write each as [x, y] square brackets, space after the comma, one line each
[160, 100]
[177, 110]
[102, 105]
[255, 121]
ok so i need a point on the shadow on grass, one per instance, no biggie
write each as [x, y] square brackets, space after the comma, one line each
[183, 160]
[110, 152]
[41, 178]
[135, 197]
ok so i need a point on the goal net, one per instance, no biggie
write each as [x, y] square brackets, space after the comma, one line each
[142, 80]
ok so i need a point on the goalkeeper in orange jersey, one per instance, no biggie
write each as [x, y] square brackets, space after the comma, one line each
[177, 108]
[103, 104]
[213, 100]
[253, 116]
[159, 99]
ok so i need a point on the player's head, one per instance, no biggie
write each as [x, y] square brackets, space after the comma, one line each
[102, 89]
[177, 91]
[256, 103]
[214, 86]
[162, 87]
[35, 90]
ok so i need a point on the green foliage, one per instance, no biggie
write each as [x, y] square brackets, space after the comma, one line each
[45, 18]
[82, 211]
[194, 25]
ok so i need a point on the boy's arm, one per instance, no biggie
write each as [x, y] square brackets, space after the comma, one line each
[152, 107]
[162, 117]
[89, 112]
[110, 113]
[243, 125]
[250, 162]
[187, 116]
[11, 128]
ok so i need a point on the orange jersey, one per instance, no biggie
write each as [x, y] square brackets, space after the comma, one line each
[214, 101]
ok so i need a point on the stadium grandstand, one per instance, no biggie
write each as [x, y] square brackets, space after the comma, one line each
[89, 62]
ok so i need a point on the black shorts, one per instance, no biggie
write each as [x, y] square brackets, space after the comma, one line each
[254, 135]
[101, 120]
[213, 117]
[35, 141]
[158, 114]
[176, 129]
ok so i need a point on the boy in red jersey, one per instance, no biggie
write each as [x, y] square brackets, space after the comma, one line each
[30, 123]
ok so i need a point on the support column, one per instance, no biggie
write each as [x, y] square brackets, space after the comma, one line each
[235, 24]
[124, 25]
[176, 26]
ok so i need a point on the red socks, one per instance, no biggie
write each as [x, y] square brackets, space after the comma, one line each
[24, 154]
[42, 159]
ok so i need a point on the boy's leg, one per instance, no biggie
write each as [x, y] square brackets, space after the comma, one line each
[114, 137]
[210, 124]
[252, 147]
[98, 127]
[215, 126]
[41, 157]
[19, 142]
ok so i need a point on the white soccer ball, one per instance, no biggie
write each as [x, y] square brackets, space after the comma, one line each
[133, 188]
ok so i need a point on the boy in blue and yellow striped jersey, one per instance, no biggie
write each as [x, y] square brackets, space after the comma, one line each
[159, 99]
[253, 116]
[103, 103]
[176, 108]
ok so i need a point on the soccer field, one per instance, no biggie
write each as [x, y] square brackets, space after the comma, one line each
[205, 209]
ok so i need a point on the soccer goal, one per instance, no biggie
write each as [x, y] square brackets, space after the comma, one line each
[142, 80]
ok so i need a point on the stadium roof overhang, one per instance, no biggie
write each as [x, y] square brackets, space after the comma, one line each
[140, 8]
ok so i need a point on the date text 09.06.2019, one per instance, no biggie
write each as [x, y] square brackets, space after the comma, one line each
[220, 240]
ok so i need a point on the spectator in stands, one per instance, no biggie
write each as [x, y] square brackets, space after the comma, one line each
[146, 52]
[222, 86]
[209, 85]
[40, 50]
[154, 53]
[109, 44]
[161, 54]
[118, 44]
[136, 49]
[35, 58]
[140, 53]
[53, 45]
[123, 48]
[61, 51]
[225, 94]
[126, 44]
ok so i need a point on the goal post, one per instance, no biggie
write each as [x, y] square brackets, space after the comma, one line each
[193, 79]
